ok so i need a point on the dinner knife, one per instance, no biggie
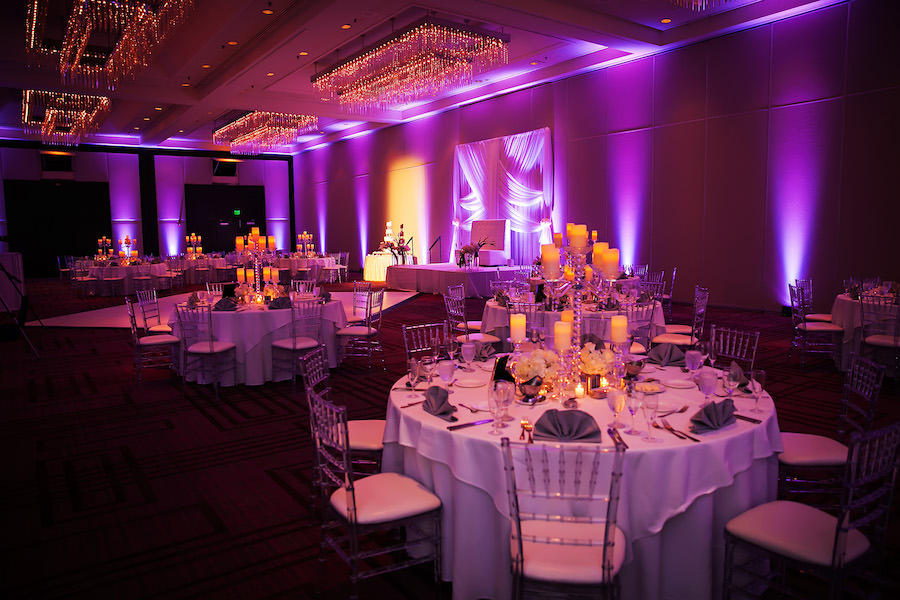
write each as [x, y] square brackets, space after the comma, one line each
[746, 418]
[463, 425]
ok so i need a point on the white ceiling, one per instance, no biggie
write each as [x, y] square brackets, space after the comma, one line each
[549, 39]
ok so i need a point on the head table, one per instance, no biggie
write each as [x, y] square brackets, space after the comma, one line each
[253, 329]
[676, 496]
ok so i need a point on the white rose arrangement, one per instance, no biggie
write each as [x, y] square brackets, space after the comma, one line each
[596, 361]
[538, 363]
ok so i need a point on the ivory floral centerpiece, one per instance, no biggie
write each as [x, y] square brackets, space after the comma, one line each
[596, 364]
[535, 369]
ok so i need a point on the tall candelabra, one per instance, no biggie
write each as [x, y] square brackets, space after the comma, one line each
[194, 245]
[104, 247]
[127, 254]
[260, 251]
[305, 244]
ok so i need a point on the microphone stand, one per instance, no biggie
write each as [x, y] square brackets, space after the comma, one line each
[23, 309]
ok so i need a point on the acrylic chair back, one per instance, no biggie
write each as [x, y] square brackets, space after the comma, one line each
[331, 439]
[306, 319]
[314, 370]
[303, 286]
[734, 344]
[859, 400]
[425, 339]
[701, 299]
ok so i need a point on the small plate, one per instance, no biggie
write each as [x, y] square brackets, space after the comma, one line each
[681, 384]
[532, 402]
[649, 387]
[469, 383]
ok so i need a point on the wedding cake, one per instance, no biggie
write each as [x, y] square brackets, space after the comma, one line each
[389, 233]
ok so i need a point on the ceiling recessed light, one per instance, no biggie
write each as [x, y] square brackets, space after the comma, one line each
[267, 11]
[157, 108]
[665, 21]
[232, 42]
[270, 74]
[304, 53]
[181, 131]
[137, 128]
[533, 63]
[345, 26]
[185, 84]
[206, 66]
[146, 118]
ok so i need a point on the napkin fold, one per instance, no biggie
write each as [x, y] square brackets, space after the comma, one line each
[567, 426]
[743, 380]
[436, 403]
[280, 303]
[713, 416]
[594, 339]
[611, 304]
[326, 296]
[225, 304]
[644, 298]
[666, 355]
[483, 351]
[193, 299]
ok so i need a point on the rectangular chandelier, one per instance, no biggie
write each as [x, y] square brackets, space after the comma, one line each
[259, 131]
[61, 118]
[136, 26]
[417, 62]
[698, 4]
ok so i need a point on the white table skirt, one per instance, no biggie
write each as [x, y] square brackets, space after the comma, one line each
[377, 263]
[436, 278]
[845, 312]
[253, 331]
[127, 273]
[675, 498]
[495, 320]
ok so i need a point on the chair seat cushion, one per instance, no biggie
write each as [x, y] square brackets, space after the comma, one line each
[204, 347]
[357, 330]
[637, 348]
[571, 564]
[297, 343]
[479, 337]
[675, 338]
[880, 339]
[386, 497]
[161, 328]
[820, 327]
[366, 434]
[158, 340]
[470, 325]
[796, 531]
[819, 317]
[676, 328]
[810, 450]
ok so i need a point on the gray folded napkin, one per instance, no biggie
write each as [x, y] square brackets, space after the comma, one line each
[193, 299]
[436, 403]
[225, 304]
[279, 303]
[743, 380]
[713, 416]
[325, 296]
[483, 350]
[644, 298]
[593, 338]
[666, 355]
[611, 304]
[567, 426]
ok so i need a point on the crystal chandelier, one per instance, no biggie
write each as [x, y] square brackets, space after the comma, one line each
[419, 61]
[264, 131]
[698, 4]
[61, 118]
[137, 27]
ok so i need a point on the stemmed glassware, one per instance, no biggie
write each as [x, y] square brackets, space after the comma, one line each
[707, 382]
[757, 385]
[446, 369]
[650, 406]
[615, 399]
[412, 374]
[706, 349]
[692, 360]
[468, 354]
[731, 377]
[426, 367]
[633, 403]
[500, 396]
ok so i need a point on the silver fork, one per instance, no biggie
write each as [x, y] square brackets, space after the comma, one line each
[670, 428]
[673, 411]
[472, 408]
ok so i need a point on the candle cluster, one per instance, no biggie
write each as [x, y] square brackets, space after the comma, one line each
[195, 245]
[305, 243]
[254, 241]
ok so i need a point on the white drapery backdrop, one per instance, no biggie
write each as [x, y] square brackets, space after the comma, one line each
[506, 178]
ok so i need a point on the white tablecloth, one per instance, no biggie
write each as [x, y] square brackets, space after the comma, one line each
[436, 278]
[191, 265]
[495, 320]
[127, 273]
[676, 496]
[254, 331]
[845, 312]
[315, 265]
[377, 263]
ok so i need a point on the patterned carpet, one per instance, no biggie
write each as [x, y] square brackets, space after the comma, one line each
[114, 492]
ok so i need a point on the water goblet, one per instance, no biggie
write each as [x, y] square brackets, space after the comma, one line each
[692, 360]
[757, 385]
[412, 375]
[446, 369]
[707, 382]
[731, 377]
[705, 348]
[495, 404]
[633, 403]
[507, 392]
[427, 367]
[650, 406]
[615, 399]
[467, 350]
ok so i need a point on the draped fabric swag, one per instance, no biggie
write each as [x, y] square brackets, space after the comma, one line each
[506, 178]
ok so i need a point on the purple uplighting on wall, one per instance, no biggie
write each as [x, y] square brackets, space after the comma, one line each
[125, 198]
[169, 203]
[361, 191]
[629, 182]
[321, 214]
[278, 220]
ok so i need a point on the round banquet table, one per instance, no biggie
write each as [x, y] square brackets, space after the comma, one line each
[845, 312]
[254, 329]
[125, 272]
[315, 265]
[676, 496]
[495, 320]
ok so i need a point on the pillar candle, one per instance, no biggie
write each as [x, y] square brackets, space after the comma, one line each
[187, 239]
[569, 227]
[599, 249]
[568, 273]
[557, 240]
[611, 263]
[588, 273]
[578, 236]
[239, 243]
[190, 249]
[199, 249]
[594, 235]
[517, 327]
[618, 329]
[134, 253]
[562, 335]
[121, 254]
[567, 315]
[254, 233]
[550, 261]
[241, 276]
[267, 273]
[272, 243]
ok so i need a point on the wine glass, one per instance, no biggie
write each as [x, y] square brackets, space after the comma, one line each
[507, 392]
[757, 384]
[412, 374]
[650, 406]
[468, 353]
[731, 377]
[707, 382]
[615, 399]
[426, 367]
[446, 369]
[633, 403]
[692, 360]
[705, 348]
[495, 404]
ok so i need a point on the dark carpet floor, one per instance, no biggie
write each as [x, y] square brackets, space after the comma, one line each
[109, 491]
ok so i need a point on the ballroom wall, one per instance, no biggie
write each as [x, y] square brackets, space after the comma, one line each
[745, 161]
